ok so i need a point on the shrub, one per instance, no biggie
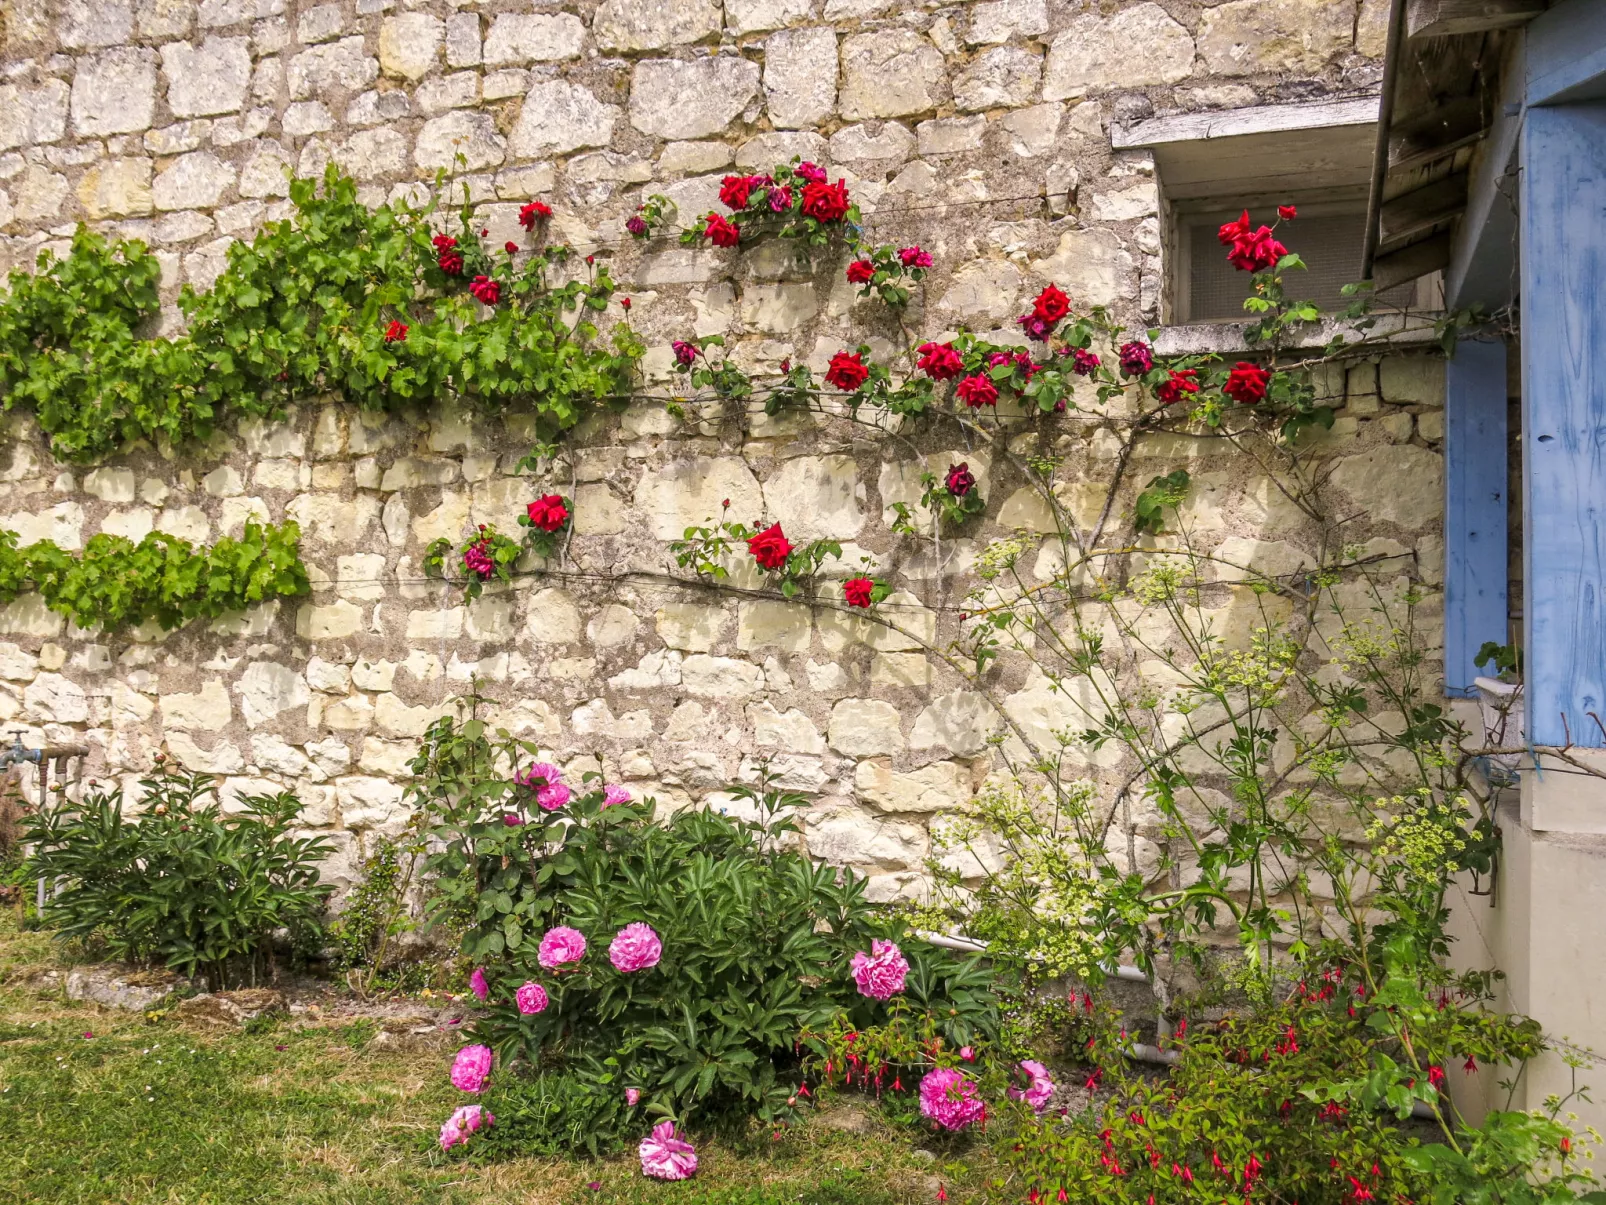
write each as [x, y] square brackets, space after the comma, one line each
[183, 883]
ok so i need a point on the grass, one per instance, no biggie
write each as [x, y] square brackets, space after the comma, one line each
[148, 1110]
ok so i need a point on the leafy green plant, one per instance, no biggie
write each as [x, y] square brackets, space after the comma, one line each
[1163, 493]
[486, 556]
[115, 583]
[374, 914]
[184, 883]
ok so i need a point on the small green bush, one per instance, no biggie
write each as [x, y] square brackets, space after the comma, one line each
[183, 883]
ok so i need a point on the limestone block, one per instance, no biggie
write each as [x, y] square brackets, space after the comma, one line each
[598, 511]
[751, 16]
[207, 709]
[332, 622]
[53, 699]
[471, 135]
[950, 135]
[1139, 199]
[266, 172]
[63, 524]
[691, 627]
[371, 154]
[720, 677]
[1372, 28]
[611, 626]
[1239, 558]
[839, 630]
[1300, 37]
[1026, 509]
[800, 70]
[129, 708]
[657, 669]
[462, 40]
[679, 158]
[1092, 266]
[395, 717]
[330, 755]
[1000, 20]
[982, 293]
[305, 117]
[791, 730]
[1005, 77]
[358, 576]
[409, 44]
[224, 757]
[1412, 380]
[84, 24]
[851, 837]
[388, 759]
[328, 676]
[32, 116]
[960, 722]
[1134, 48]
[333, 520]
[778, 308]
[531, 719]
[17, 665]
[515, 38]
[370, 804]
[786, 626]
[113, 92]
[559, 117]
[266, 688]
[196, 180]
[553, 617]
[1397, 483]
[689, 493]
[440, 623]
[321, 24]
[890, 73]
[821, 497]
[211, 77]
[1046, 712]
[110, 485]
[673, 98]
[865, 728]
[337, 68]
[940, 787]
[28, 616]
[891, 144]
[654, 24]
[352, 714]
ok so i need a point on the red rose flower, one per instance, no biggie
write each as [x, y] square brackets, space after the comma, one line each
[770, 547]
[1178, 385]
[721, 232]
[960, 480]
[914, 257]
[486, 290]
[1246, 383]
[813, 173]
[511, 248]
[532, 213]
[1136, 358]
[847, 372]
[1231, 232]
[685, 353]
[1287, 212]
[861, 272]
[1256, 252]
[735, 190]
[443, 242]
[1051, 305]
[825, 202]
[548, 512]
[977, 391]
[1083, 362]
[396, 332]
[940, 361]
[451, 263]
[857, 591]
[625, 302]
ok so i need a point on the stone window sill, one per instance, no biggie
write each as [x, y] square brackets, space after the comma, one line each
[1413, 329]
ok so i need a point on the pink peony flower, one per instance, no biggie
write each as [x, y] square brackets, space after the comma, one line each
[949, 1099]
[880, 974]
[477, 984]
[635, 948]
[967, 1054]
[561, 946]
[462, 1123]
[551, 798]
[471, 1068]
[531, 998]
[613, 794]
[512, 821]
[540, 774]
[1039, 1089]
[666, 1157]
[632, 1096]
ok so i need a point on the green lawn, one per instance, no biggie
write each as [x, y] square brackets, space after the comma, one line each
[149, 1111]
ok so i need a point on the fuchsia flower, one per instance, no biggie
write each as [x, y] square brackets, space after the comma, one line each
[636, 225]
[560, 947]
[531, 999]
[477, 984]
[811, 172]
[635, 948]
[477, 560]
[949, 1099]
[471, 1068]
[880, 974]
[613, 794]
[462, 1123]
[664, 1156]
[632, 1096]
[1040, 1086]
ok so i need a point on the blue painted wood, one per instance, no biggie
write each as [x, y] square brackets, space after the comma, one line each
[1475, 503]
[1563, 207]
[1566, 52]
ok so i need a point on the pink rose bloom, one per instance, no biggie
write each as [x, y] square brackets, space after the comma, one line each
[551, 798]
[635, 948]
[613, 794]
[531, 998]
[1040, 1088]
[968, 1053]
[632, 1096]
[949, 1099]
[540, 774]
[471, 1068]
[462, 1123]
[512, 821]
[666, 1157]
[561, 946]
[477, 984]
[880, 974]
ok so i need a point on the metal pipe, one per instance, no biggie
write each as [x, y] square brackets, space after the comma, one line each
[1380, 150]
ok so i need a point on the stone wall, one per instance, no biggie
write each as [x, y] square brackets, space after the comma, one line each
[978, 130]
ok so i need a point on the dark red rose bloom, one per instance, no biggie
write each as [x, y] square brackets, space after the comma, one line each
[1031, 367]
[511, 248]
[940, 361]
[1287, 212]
[1051, 305]
[847, 372]
[451, 263]
[857, 591]
[1035, 327]
[548, 512]
[1256, 252]
[1246, 383]
[734, 190]
[780, 197]
[1083, 362]
[443, 242]
[685, 353]
[396, 332]
[960, 480]
[770, 547]
[861, 272]
[813, 173]
[977, 391]
[1136, 358]
[720, 232]
[636, 225]
[1177, 386]
[486, 290]
[825, 202]
[532, 213]
[1231, 232]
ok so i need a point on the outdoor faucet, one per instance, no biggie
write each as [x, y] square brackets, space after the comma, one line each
[18, 752]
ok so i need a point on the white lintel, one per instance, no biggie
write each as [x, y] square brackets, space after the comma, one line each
[1235, 123]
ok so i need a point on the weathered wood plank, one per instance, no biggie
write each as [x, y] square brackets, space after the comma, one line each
[1424, 208]
[1442, 18]
[1408, 263]
[1435, 133]
[1475, 505]
[1563, 225]
[1233, 123]
[1566, 53]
